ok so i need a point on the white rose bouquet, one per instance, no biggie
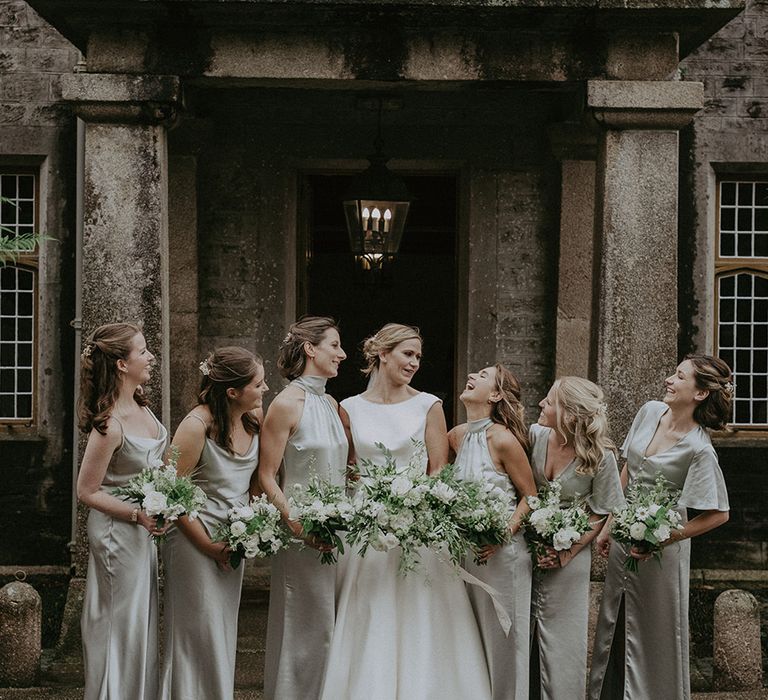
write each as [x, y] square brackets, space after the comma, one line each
[403, 507]
[323, 511]
[483, 514]
[550, 526]
[162, 493]
[253, 531]
[647, 519]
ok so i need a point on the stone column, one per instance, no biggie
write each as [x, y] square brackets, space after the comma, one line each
[634, 330]
[574, 145]
[125, 266]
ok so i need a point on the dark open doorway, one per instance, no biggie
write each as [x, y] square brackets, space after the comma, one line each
[420, 291]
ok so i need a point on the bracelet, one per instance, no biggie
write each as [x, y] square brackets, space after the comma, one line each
[135, 515]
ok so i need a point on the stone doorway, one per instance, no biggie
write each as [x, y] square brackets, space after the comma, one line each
[420, 289]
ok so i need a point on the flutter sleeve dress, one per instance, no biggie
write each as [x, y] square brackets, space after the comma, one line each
[120, 610]
[202, 601]
[560, 597]
[508, 571]
[302, 596]
[641, 640]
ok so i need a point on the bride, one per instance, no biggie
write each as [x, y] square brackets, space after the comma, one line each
[401, 637]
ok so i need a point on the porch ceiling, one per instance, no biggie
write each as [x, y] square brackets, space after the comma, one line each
[581, 33]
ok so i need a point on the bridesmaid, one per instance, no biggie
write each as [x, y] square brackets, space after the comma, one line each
[641, 640]
[492, 447]
[303, 432]
[119, 622]
[569, 445]
[218, 445]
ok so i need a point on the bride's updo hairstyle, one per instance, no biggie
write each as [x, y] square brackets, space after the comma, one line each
[385, 339]
[582, 415]
[99, 377]
[225, 368]
[713, 375]
[508, 410]
[292, 356]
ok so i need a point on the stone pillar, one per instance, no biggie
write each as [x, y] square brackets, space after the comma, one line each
[125, 268]
[737, 661]
[634, 330]
[575, 147]
[20, 623]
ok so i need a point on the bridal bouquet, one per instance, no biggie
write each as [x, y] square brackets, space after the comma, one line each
[403, 507]
[550, 526]
[483, 514]
[647, 519]
[323, 511]
[253, 531]
[162, 493]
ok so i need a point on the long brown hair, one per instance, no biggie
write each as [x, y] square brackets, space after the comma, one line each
[225, 368]
[292, 358]
[713, 375]
[99, 377]
[509, 411]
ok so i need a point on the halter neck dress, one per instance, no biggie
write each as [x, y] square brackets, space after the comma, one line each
[560, 597]
[401, 637]
[201, 601]
[508, 571]
[120, 609]
[302, 593]
[654, 661]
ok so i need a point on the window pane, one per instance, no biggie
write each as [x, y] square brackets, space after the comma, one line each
[743, 361]
[726, 336]
[727, 244]
[742, 411]
[760, 412]
[24, 379]
[728, 193]
[760, 363]
[744, 220]
[727, 357]
[761, 335]
[8, 186]
[743, 310]
[26, 186]
[743, 335]
[745, 193]
[24, 354]
[727, 219]
[761, 245]
[24, 329]
[744, 285]
[761, 286]
[760, 386]
[23, 406]
[726, 311]
[7, 406]
[727, 286]
[761, 194]
[7, 381]
[7, 355]
[744, 245]
[25, 304]
[761, 219]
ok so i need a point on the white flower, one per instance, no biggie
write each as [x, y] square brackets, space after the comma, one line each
[401, 521]
[675, 519]
[540, 519]
[400, 486]
[642, 513]
[267, 535]
[385, 542]
[275, 546]
[443, 492]
[637, 531]
[534, 502]
[661, 533]
[148, 487]
[193, 515]
[245, 513]
[382, 517]
[155, 503]
[564, 539]
[654, 508]
[237, 528]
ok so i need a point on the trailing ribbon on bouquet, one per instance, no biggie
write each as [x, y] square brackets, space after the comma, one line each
[501, 612]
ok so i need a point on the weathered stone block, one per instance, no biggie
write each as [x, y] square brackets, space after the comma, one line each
[20, 625]
[736, 645]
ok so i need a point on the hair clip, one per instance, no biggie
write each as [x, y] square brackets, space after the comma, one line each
[288, 337]
[87, 350]
[728, 387]
[205, 367]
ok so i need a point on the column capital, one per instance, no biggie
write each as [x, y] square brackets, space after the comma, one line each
[641, 104]
[119, 97]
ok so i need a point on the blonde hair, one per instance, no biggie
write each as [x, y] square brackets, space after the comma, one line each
[292, 358]
[508, 410]
[385, 339]
[581, 412]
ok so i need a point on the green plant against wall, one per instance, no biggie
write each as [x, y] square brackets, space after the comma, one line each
[13, 245]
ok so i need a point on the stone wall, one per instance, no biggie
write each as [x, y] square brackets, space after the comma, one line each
[35, 503]
[250, 147]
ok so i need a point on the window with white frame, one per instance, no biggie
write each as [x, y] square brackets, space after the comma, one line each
[741, 288]
[18, 294]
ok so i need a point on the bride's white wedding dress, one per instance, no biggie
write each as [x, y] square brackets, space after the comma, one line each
[398, 637]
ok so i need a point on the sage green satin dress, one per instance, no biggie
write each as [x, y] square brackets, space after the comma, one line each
[302, 596]
[201, 601]
[508, 571]
[650, 659]
[560, 597]
[120, 612]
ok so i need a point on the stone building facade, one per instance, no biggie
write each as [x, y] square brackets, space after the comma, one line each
[549, 142]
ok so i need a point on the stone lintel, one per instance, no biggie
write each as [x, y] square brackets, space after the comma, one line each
[638, 104]
[112, 97]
